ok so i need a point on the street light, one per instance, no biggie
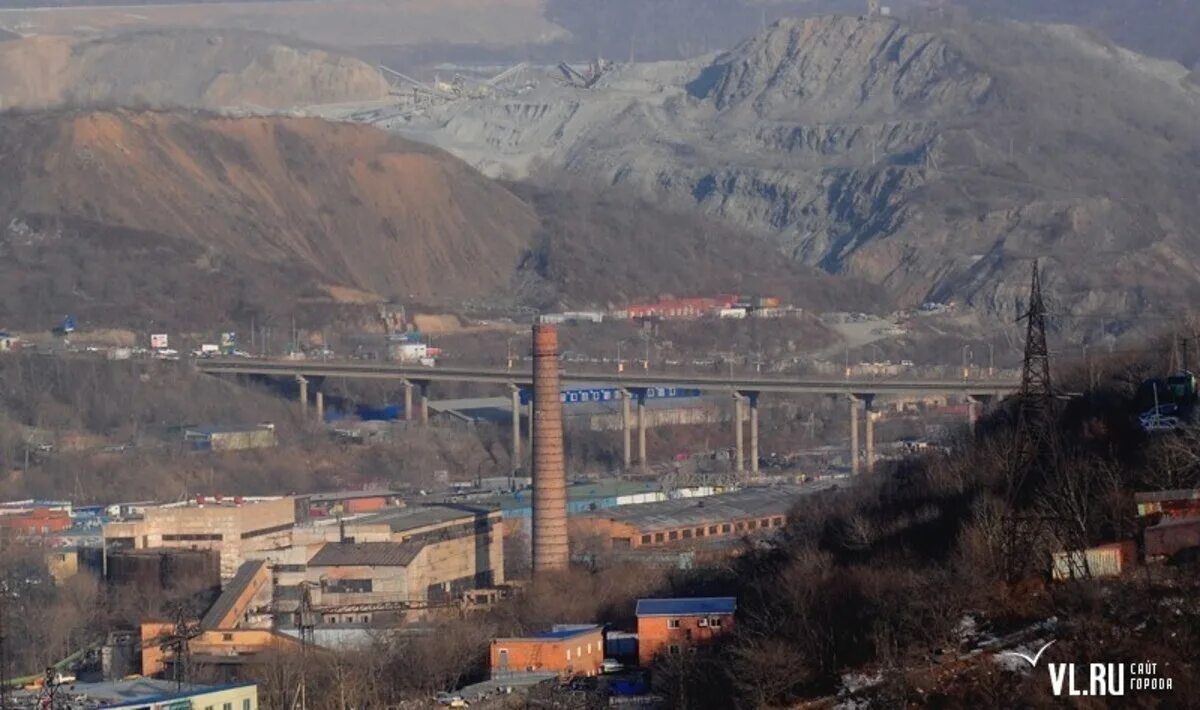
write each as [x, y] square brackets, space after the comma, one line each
[510, 353]
[620, 362]
[966, 358]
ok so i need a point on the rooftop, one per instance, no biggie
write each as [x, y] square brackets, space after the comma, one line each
[684, 512]
[366, 554]
[349, 495]
[229, 595]
[694, 606]
[228, 428]
[560, 632]
[419, 516]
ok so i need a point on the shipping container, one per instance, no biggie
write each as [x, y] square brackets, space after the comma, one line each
[1172, 536]
[1104, 561]
[620, 644]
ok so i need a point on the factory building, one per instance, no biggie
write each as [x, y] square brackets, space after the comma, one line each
[690, 521]
[566, 649]
[676, 625]
[423, 553]
[236, 628]
[234, 527]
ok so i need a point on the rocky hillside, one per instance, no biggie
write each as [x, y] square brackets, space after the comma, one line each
[126, 217]
[192, 221]
[181, 68]
[934, 160]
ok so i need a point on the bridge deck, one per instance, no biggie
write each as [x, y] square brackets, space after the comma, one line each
[739, 382]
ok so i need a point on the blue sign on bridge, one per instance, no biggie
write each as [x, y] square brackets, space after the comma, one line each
[612, 394]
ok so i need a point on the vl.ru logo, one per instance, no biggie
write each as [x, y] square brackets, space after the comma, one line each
[1097, 679]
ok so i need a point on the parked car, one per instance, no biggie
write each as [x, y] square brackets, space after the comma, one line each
[611, 665]
[450, 700]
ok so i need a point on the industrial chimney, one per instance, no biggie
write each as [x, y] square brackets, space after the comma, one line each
[550, 548]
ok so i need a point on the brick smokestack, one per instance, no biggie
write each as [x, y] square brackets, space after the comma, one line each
[550, 548]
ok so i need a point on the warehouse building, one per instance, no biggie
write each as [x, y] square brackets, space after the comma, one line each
[234, 527]
[419, 554]
[729, 516]
[566, 649]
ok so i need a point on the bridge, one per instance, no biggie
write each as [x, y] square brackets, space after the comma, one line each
[744, 388]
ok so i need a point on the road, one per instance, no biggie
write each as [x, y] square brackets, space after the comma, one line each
[500, 376]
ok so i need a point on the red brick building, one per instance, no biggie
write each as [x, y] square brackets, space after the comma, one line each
[38, 522]
[568, 650]
[674, 625]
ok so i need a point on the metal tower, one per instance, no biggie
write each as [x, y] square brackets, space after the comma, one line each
[1035, 374]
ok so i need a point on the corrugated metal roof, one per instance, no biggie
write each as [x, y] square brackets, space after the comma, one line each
[684, 512]
[229, 595]
[694, 606]
[366, 554]
[419, 516]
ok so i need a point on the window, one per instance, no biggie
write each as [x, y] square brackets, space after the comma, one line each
[687, 533]
[365, 618]
[658, 537]
[227, 706]
[673, 535]
[246, 704]
[645, 539]
[568, 654]
[739, 527]
[766, 522]
[672, 623]
[673, 648]
[715, 622]
[725, 528]
[579, 651]
[226, 637]
[346, 586]
[191, 538]
[702, 623]
[699, 532]
[779, 522]
[712, 529]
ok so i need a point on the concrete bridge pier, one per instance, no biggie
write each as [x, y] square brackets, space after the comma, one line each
[408, 400]
[515, 391]
[975, 404]
[320, 407]
[754, 433]
[641, 417]
[739, 460]
[303, 382]
[424, 405]
[626, 428]
[866, 401]
[854, 435]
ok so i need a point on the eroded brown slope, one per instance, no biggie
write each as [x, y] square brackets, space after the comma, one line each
[103, 211]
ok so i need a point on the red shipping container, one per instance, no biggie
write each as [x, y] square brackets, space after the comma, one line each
[365, 505]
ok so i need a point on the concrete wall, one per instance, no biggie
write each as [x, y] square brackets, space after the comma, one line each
[217, 527]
